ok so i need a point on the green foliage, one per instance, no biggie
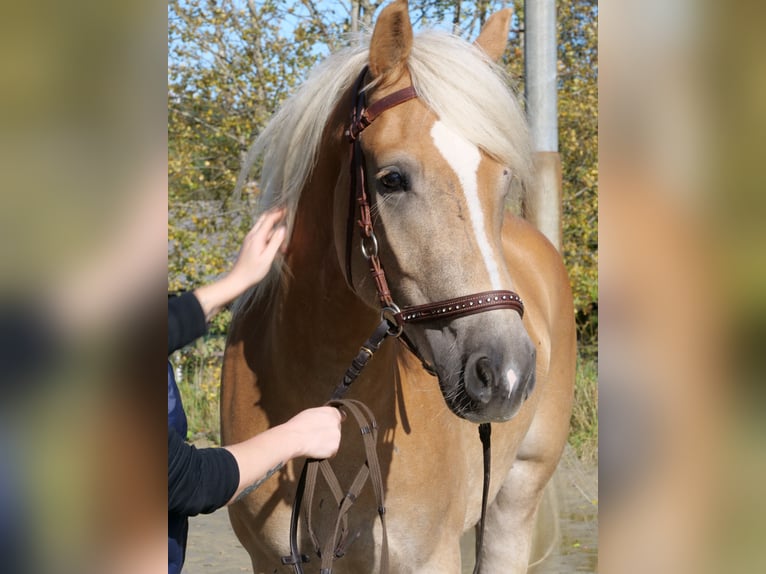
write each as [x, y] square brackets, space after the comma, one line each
[578, 144]
[198, 374]
[583, 434]
[230, 64]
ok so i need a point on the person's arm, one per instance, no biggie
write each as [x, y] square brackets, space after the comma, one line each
[186, 321]
[253, 263]
[202, 480]
[313, 433]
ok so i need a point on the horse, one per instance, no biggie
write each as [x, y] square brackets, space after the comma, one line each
[439, 166]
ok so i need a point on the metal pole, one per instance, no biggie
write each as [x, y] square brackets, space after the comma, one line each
[540, 43]
[355, 16]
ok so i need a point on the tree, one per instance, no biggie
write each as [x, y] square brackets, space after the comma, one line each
[578, 144]
[230, 65]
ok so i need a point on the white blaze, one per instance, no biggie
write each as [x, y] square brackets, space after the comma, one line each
[464, 158]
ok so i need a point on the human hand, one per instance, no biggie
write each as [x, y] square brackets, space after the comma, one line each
[253, 263]
[316, 432]
[259, 249]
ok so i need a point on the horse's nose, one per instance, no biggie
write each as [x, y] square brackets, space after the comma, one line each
[488, 379]
[480, 378]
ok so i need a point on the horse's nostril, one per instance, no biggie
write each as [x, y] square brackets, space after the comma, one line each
[484, 371]
[479, 378]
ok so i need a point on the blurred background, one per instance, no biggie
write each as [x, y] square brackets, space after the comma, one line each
[90, 108]
[681, 282]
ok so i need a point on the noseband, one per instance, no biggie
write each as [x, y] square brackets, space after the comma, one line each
[361, 117]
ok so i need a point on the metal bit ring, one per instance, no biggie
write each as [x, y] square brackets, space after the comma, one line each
[389, 315]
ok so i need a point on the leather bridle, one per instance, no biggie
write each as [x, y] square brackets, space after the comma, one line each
[361, 118]
[393, 320]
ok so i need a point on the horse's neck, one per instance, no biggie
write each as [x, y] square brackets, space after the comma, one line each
[318, 306]
[319, 314]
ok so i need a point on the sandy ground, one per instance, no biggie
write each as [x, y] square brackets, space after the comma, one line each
[214, 549]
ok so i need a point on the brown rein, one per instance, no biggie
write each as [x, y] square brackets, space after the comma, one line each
[336, 546]
[392, 323]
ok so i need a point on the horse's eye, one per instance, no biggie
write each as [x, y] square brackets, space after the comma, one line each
[393, 181]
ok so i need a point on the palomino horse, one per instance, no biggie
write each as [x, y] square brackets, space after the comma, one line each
[438, 168]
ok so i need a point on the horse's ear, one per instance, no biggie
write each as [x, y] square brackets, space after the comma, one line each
[493, 37]
[391, 41]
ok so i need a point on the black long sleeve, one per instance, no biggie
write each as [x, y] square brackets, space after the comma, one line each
[186, 321]
[200, 481]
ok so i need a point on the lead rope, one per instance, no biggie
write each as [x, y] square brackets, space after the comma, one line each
[485, 430]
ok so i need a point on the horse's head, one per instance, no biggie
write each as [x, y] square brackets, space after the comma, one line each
[438, 202]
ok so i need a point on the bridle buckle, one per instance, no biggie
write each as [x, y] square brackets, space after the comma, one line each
[370, 250]
[392, 315]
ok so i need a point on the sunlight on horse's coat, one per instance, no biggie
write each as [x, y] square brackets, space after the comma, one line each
[464, 158]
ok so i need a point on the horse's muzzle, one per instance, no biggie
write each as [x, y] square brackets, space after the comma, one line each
[492, 389]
